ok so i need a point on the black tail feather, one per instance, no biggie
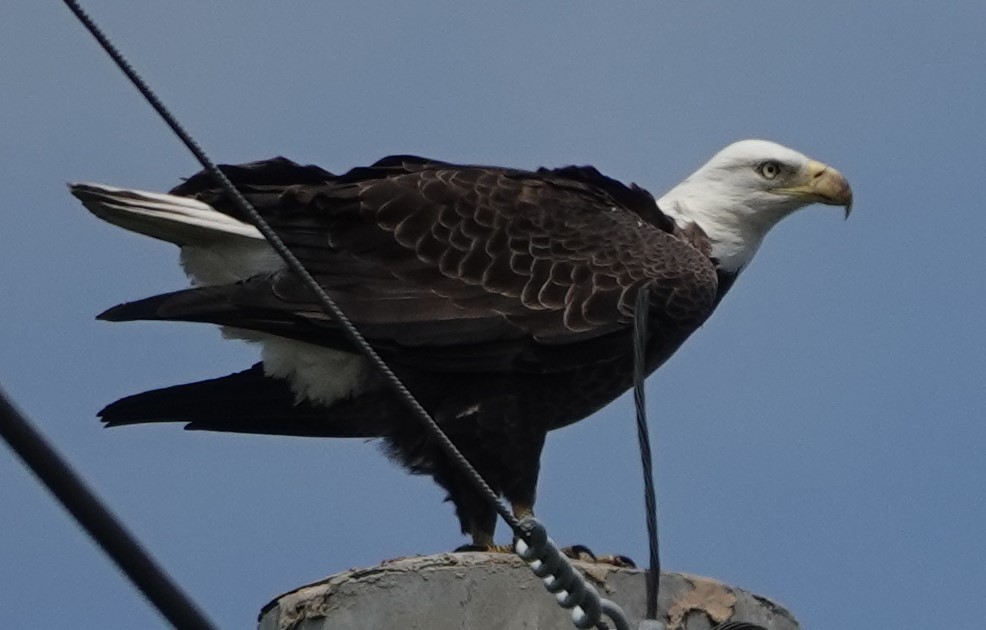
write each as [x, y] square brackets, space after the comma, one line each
[246, 402]
[240, 305]
[202, 304]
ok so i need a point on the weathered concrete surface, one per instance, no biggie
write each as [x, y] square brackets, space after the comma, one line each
[466, 591]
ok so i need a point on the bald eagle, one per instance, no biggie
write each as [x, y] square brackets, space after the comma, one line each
[503, 298]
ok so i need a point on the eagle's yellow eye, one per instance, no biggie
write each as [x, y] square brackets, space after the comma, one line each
[769, 170]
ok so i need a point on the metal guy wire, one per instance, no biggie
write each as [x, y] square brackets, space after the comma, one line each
[323, 297]
[643, 437]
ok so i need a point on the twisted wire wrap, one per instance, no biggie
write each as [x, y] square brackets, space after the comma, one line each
[562, 579]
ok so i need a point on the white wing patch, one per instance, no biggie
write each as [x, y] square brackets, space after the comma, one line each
[317, 374]
[225, 263]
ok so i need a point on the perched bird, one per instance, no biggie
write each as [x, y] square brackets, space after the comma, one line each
[503, 298]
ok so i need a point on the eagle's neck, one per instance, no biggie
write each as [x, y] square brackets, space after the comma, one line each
[735, 232]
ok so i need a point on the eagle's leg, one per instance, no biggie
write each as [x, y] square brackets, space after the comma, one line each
[507, 455]
[477, 518]
[519, 483]
[482, 536]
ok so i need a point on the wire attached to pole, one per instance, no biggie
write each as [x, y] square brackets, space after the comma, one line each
[292, 262]
[643, 437]
[593, 611]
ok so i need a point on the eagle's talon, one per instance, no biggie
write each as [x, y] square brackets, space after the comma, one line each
[579, 552]
[584, 554]
[620, 561]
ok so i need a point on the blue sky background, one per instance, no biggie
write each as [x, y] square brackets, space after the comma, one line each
[819, 440]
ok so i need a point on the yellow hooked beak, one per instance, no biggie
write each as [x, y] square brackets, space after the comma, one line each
[820, 183]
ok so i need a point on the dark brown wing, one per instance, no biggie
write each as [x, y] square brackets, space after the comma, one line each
[460, 267]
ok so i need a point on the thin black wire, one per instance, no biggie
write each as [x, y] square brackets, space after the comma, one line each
[643, 436]
[55, 473]
[292, 261]
[295, 265]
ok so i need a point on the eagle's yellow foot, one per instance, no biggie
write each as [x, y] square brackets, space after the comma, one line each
[583, 553]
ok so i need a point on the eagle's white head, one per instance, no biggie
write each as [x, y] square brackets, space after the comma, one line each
[745, 189]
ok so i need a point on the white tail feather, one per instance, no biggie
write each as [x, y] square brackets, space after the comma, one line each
[178, 220]
[215, 248]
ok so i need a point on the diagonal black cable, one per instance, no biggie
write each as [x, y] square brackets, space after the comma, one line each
[295, 265]
[98, 521]
[643, 436]
[545, 552]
